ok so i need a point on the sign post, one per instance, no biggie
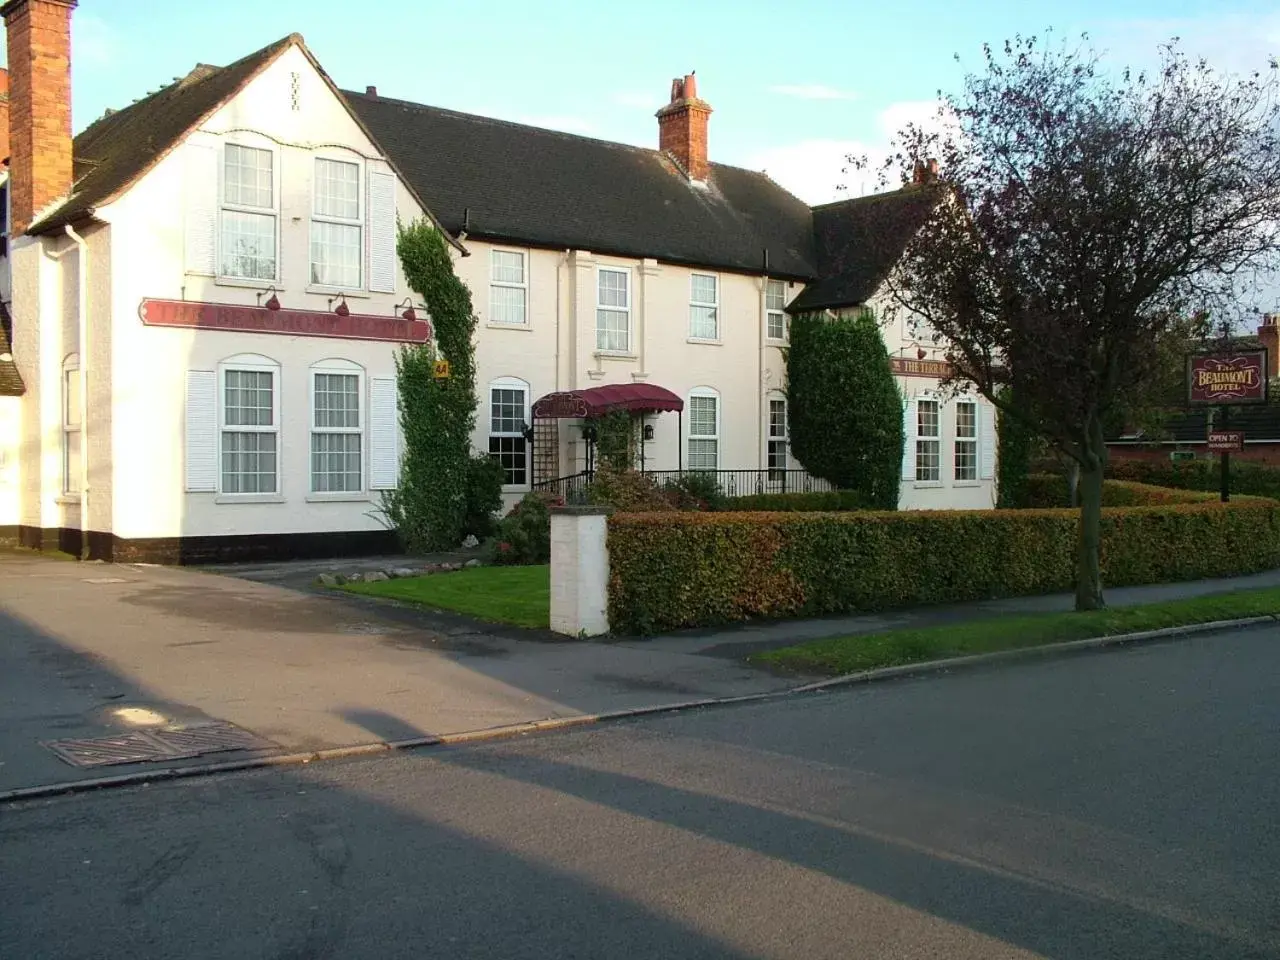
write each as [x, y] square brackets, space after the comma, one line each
[1225, 379]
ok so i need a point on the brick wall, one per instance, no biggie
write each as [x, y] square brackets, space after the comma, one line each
[682, 128]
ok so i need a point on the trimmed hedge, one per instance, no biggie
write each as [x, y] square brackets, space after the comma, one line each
[829, 501]
[1047, 491]
[1256, 479]
[669, 571]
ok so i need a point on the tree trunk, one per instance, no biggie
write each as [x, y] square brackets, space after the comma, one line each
[1088, 557]
[1073, 484]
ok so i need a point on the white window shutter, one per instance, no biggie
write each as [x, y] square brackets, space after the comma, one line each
[200, 193]
[986, 442]
[202, 431]
[909, 440]
[382, 233]
[384, 435]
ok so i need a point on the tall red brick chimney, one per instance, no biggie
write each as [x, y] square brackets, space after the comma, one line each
[1269, 334]
[682, 127]
[39, 43]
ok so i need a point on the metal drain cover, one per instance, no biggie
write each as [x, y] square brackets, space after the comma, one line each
[142, 746]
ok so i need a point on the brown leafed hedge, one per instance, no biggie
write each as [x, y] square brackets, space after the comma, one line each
[1047, 490]
[697, 569]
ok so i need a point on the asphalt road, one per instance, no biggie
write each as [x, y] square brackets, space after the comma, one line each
[1120, 804]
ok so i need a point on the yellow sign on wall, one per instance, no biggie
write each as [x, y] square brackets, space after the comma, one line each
[442, 369]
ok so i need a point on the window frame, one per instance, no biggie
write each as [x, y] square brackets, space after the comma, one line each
[347, 368]
[779, 312]
[224, 206]
[249, 363]
[713, 305]
[358, 222]
[933, 439]
[509, 383]
[506, 284]
[971, 440]
[717, 437]
[772, 438]
[71, 484]
[627, 310]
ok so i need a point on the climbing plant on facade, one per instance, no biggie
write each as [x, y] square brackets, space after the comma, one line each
[442, 483]
[844, 407]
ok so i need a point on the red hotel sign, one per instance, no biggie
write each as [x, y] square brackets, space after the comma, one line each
[1227, 378]
[290, 323]
[937, 369]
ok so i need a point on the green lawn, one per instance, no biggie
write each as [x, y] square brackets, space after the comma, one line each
[519, 595]
[840, 655]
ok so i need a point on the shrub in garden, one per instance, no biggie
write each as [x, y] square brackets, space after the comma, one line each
[627, 490]
[484, 496]
[1046, 491]
[1255, 479]
[696, 569]
[695, 491]
[844, 407]
[829, 501]
[524, 534]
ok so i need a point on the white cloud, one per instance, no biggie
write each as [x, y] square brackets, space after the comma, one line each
[813, 91]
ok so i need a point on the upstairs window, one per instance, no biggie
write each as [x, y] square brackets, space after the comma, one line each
[508, 288]
[704, 307]
[337, 232]
[775, 300]
[613, 310]
[249, 213]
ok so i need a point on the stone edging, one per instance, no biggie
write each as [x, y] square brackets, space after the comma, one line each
[561, 723]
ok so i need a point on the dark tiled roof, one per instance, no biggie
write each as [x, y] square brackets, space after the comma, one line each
[115, 150]
[10, 380]
[859, 241]
[528, 185]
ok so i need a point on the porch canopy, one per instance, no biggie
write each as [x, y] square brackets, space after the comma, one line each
[597, 401]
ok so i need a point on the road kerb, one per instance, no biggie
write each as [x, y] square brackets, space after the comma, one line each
[506, 731]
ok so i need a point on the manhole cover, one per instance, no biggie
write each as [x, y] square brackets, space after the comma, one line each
[150, 745]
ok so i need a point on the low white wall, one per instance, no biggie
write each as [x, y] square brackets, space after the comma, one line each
[580, 571]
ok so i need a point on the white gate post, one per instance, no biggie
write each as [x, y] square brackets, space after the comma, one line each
[580, 570]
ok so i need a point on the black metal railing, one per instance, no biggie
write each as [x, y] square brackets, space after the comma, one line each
[731, 483]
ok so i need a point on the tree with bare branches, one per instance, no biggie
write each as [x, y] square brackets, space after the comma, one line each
[1085, 217]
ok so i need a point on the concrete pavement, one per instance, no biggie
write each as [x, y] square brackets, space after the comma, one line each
[305, 671]
[1110, 807]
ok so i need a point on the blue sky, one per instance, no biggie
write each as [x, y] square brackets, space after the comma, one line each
[794, 85]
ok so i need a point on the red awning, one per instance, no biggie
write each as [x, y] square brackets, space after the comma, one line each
[597, 401]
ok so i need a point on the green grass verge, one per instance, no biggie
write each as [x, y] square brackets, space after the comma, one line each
[518, 595]
[840, 655]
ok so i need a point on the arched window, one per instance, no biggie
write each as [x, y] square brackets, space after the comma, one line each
[71, 424]
[508, 420]
[249, 425]
[337, 427]
[704, 429]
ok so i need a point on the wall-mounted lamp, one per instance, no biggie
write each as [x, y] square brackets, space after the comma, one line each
[589, 432]
[526, 431]
[341, 309]
[408, 313]
[648, 431]
[921, 353]
[273, 302]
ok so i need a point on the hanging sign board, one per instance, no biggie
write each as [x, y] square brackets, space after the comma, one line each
[1227, 378]
[1225, 441]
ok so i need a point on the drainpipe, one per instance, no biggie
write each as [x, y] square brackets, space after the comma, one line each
[82, 275]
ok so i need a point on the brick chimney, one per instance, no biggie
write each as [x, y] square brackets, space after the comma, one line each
[682, 128]
[926, 171]
[1269, 334]
[39, 42]
[4, 114]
